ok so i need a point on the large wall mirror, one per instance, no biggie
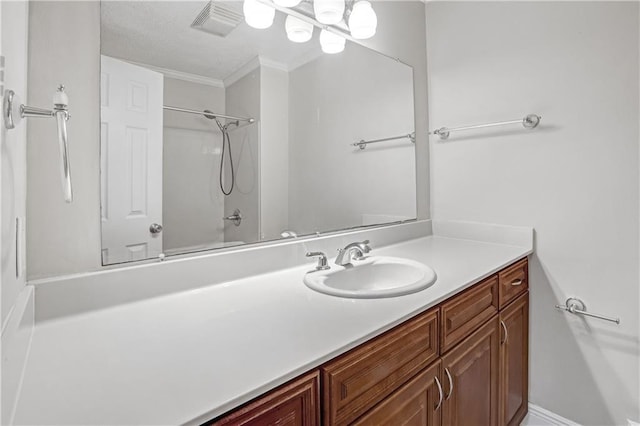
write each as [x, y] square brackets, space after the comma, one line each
[216, 134]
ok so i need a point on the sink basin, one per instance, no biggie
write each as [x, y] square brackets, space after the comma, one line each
[372, 277]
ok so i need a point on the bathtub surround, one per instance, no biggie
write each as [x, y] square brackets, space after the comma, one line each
[243, 99]
[193, 206]
[574, 178]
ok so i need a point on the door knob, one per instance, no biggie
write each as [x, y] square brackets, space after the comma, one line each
[155, 228]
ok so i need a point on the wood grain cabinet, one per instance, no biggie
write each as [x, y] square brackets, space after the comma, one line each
[514, 371]
[471, 378]
[463, 362]
[358, 380]
[294, 404]
[418, 402]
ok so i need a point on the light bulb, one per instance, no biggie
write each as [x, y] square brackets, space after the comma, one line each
[287, 3]
[258, 15]
[298, 30]
[363, 20]
[328, 12]
[331, 43]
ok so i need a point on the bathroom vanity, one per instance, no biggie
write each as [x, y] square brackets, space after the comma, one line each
[228, 337]
[464, 361]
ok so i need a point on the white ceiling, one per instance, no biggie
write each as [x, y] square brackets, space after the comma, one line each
[159, 33]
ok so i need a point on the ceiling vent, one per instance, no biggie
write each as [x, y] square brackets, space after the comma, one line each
[218, 18]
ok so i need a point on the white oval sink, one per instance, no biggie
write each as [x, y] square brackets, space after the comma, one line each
[373, 277]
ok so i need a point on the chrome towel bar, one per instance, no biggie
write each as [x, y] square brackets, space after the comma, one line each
[14, 110]
[577, 307]
[531, 121]
[363, 143]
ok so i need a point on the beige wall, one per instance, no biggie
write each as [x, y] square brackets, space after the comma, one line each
[575, 179]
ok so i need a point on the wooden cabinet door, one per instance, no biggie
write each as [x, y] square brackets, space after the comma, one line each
[363, 377]
[294, 404]
[514, 368]
[416, 403]
[470, 378]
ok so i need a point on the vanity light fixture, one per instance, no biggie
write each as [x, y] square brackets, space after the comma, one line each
[363, 20]
[331, 43]
[356, 16]
[258, 14]
[298, 30]
[287, 3]
[328, 12]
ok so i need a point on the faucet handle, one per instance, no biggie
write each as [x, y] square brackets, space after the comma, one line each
[322, 260]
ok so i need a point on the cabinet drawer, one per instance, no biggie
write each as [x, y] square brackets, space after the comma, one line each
[296, 404]
[514, 281]
[464, 313]
[361, 378]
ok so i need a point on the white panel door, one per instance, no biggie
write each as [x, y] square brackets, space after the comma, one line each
[131, 161]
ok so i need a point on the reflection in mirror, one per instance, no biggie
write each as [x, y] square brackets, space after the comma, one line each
[218, 134]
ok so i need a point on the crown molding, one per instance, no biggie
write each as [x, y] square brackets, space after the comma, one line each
[250, 66]
[184, 76]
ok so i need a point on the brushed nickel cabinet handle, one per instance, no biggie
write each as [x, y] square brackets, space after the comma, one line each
[440, 392]
[446, 370]
[516, 283]
[506, 333]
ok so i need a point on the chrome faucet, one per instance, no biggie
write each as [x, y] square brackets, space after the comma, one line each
[346, 255]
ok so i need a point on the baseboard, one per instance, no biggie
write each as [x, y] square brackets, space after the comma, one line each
[539, 416]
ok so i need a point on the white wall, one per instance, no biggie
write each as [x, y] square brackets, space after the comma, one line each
[334, 101]
[401, 25]
[16, 310]
[243, 100]
[13, 153]
[64, 47]
[575, 179]
[274, 152]
[193, 204]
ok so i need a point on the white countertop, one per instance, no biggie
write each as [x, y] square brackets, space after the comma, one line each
[188, 357]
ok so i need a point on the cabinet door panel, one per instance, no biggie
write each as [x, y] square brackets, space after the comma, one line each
[465, 312]
[514, 367]
[473, 366]
[414, 404]
[358, 380]
[294, 404]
